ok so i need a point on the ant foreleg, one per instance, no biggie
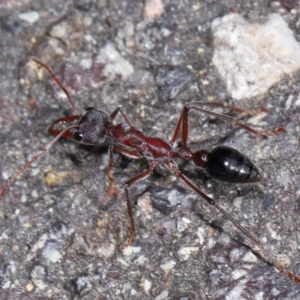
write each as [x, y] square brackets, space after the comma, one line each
[266, 255]
[127, 184]
[36, 157]
[120, 109]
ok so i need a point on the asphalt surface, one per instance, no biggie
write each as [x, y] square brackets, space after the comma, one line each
[59, 239]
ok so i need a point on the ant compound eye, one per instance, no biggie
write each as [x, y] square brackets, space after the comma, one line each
[78, 136]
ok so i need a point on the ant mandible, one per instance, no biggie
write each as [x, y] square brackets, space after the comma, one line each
[222, 163]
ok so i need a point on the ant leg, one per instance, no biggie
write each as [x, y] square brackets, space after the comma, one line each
[127, 184]
[266, 255]
[120, 109]
[249, 112]
[36, 157]
[112, 189]
[233, 122]
[182, 124]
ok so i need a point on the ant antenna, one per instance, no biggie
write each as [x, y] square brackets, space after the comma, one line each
[36, 157]
[57, 81]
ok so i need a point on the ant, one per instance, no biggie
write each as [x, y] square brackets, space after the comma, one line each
[226, 164]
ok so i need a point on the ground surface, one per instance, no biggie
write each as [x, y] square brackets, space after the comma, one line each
[58, 240]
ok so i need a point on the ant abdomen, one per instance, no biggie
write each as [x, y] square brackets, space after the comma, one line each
[227, 164]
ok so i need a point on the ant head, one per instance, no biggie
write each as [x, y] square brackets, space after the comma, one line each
[90, 128]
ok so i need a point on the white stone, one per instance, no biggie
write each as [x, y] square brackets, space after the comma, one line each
[168, 266]
[236, 293]
[106, 249]
[283, 178]
[239, 273]
[114, 63]
[153, 9]
[250, 58]
[37, 246]
[250, 258]
[201, 233]
[52, 254]
[86, 63]
[163, 295]
[146, 284]
[259, 296]
[59, 30]
[130, 250]
[185, 252]
[30, 16]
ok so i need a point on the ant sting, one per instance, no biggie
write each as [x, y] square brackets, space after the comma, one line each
[225, 164]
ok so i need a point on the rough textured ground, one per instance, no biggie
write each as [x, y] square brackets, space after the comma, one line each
[58, 240]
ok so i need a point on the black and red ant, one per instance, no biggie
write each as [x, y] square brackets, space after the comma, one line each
[226, 164]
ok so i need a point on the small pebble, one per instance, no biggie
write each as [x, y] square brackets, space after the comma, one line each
[30, 16]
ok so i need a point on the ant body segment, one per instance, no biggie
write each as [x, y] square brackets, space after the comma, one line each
[93, 126]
